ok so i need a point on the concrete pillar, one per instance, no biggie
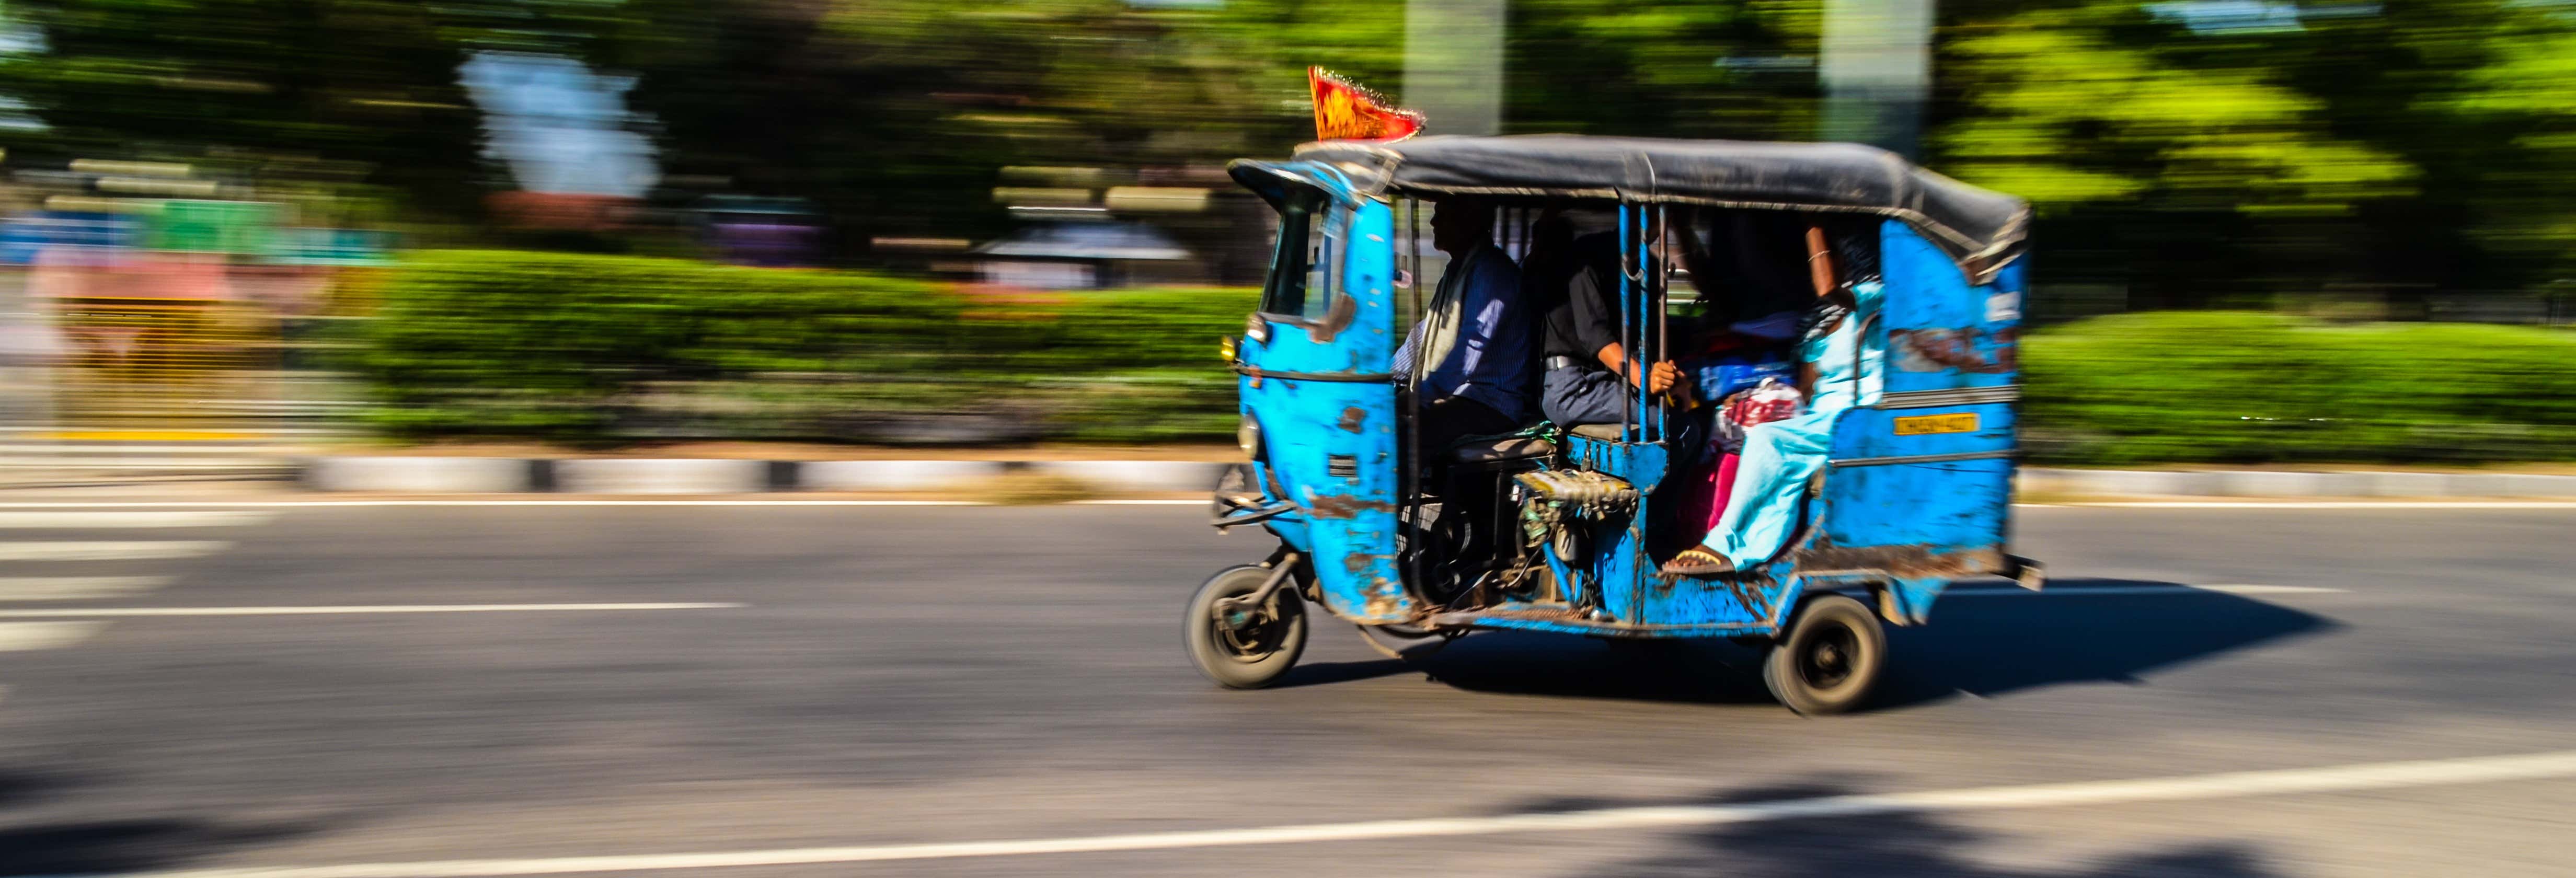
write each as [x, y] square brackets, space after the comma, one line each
[1876, 68]
[1453, 65]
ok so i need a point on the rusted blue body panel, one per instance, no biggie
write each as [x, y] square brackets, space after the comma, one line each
[1317, 385]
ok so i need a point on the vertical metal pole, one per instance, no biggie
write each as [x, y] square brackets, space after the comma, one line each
[1637, 309]
[1626, 348]
[1663, 313]
[1407, 418]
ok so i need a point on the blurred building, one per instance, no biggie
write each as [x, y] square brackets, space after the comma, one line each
[1100, 228]
[1067, 255]
[767, 232]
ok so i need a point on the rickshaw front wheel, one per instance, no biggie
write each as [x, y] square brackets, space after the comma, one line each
[1828, 659]
[1244, 647]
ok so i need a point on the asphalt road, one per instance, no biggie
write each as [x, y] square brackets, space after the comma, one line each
[875, 678]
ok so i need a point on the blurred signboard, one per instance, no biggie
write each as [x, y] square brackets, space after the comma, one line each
[310, 246]
[22, 237]
[240, 227]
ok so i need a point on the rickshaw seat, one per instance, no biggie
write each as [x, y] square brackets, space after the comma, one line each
[1603, 432]
[1500, 450]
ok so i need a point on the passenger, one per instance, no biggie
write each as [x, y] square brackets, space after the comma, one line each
[1841, 370]
[1588, 379]
[1473, 334]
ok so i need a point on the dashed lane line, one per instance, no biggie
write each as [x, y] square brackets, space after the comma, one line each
[24, 636]
[109, 551]
[2535, 505]
[76, 588]
[106, 612]
[137, 519]
[2328, 779]
[326, 504]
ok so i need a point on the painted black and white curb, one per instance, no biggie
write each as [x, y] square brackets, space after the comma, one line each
[496, 475]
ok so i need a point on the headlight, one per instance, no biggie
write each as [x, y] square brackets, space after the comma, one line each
[1225, 348]
[1247, 436]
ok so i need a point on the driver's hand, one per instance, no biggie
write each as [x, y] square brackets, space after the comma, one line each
[1665, 376]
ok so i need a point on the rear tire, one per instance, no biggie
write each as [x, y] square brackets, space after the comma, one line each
[1244, 649]
[1828, 659]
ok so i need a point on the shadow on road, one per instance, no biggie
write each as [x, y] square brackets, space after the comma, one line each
[110, 846]
[1911, 845]
[1980, 645]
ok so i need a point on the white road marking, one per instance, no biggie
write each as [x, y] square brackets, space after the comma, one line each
[23, 636]
[2329, 779]
[2146, 589]
[2320, 504]
[74, 588]
[354, 609]
[110, 551]
[320, 504]
[114, 520]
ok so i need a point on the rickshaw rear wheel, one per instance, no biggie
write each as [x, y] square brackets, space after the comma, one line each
[1244, 648]
[1828, 659]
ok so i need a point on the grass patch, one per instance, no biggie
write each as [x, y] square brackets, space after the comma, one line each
[2235, 387]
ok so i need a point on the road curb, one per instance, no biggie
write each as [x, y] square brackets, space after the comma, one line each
[492, 475]
[495, 475]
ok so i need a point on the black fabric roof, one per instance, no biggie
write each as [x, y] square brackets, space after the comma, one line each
[1981, 229]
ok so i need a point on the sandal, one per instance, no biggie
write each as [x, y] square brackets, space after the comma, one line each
[1698, 561]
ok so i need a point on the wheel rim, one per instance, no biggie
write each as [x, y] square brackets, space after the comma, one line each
[1250, 636]
[1828, 659]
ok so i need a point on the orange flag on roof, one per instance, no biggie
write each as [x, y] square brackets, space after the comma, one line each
[1345, 111]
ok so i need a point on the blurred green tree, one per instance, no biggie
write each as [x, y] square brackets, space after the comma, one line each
[263, 84]
[2394, 148]
[1744, 69]
[895, 115]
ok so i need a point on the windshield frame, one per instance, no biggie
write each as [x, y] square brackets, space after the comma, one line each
[1287, 294]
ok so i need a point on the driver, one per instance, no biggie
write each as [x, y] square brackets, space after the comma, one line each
[1472, 347]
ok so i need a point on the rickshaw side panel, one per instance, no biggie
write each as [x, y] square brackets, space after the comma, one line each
[1919, 491]
[1942, 333]
[1348, 523]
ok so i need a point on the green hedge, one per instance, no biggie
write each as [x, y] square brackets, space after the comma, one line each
[606, 349]
[2251, 387]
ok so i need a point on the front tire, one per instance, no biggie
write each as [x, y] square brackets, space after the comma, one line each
[1828, 659]
[1244, 649]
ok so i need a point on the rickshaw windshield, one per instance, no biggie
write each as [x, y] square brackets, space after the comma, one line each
[1300, 282]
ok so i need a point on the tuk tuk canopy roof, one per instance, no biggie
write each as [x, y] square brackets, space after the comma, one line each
[1980, 229]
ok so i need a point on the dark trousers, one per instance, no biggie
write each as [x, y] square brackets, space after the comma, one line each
[1577, 395]
[1452, 418]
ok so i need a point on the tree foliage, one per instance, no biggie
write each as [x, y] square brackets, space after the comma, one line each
[2399, 145]
[258, 84]
[2404, 146]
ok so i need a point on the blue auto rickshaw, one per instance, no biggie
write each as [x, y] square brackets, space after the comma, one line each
[1915, 495]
